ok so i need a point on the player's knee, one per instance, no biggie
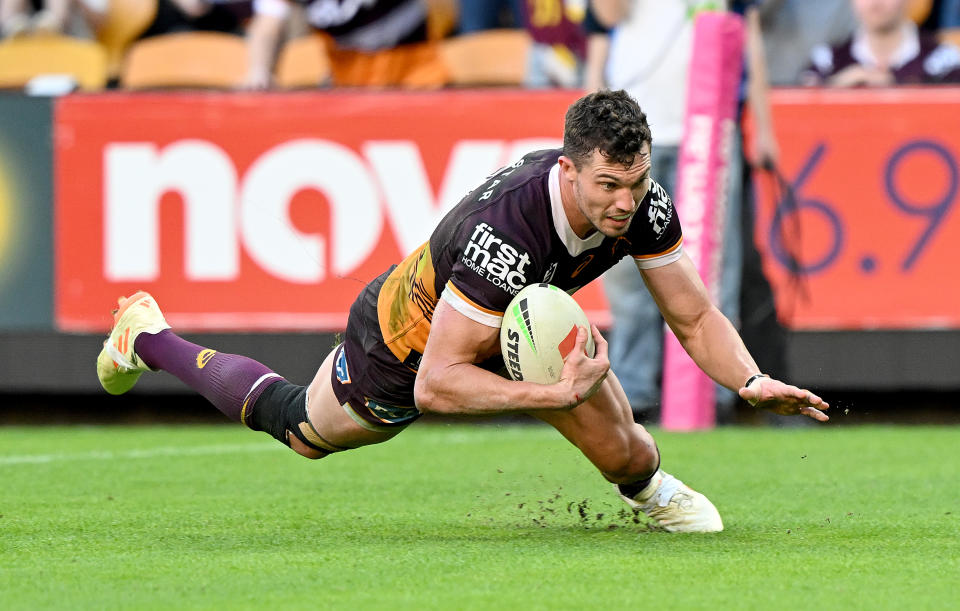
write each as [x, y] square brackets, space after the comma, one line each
[623, 467]
[281, 410]
[304, 450]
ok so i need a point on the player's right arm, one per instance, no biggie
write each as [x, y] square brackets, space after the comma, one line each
[449, 381]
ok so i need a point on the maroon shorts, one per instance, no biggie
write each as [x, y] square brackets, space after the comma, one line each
[375, 389]
[349, 378]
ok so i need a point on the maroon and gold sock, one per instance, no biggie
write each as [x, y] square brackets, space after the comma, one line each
[229, 381]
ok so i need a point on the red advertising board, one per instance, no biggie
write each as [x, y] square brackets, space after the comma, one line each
[254, 211]
[270, 211]
[872, 233]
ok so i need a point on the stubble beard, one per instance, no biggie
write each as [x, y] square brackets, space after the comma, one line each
[578, 194]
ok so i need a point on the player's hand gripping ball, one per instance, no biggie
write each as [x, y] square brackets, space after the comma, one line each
[538, 330]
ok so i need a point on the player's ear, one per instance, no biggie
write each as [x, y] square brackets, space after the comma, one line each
[567, 168]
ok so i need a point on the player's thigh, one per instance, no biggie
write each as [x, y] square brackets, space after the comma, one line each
[603, 429]
[603, 419]
[329, 417]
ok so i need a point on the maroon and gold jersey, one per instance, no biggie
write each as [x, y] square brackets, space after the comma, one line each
[509, 233]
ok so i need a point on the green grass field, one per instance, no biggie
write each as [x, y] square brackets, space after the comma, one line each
[465, 517]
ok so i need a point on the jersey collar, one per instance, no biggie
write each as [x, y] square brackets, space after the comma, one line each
[909, 48]
[573, 243]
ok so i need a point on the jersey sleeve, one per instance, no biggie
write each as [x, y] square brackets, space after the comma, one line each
[820, 66]
[657, 237]
[272, 8]
[943, 64]
[491, 265]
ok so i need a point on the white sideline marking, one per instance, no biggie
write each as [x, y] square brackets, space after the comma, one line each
[34, 459]
[469, 435]
[492, 433]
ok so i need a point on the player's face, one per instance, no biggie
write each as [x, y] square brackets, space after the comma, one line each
[607, 194]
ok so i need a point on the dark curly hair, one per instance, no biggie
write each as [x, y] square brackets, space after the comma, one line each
[610, 121]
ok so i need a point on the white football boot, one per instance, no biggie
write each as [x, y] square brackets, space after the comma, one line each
[675, 506]
[118, 366]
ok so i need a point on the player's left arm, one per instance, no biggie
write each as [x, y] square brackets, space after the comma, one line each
[714, 344]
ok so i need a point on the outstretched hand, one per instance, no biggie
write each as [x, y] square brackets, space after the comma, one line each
[784, 399]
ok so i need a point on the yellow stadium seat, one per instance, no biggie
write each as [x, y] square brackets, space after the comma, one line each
[303, 63]
[950, 35]
[491, 57]
[124, 22]
[24, 58]
[919, 10]
[211, 60]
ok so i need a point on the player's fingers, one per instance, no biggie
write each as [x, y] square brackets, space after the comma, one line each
[814, 413]
[579, 345]
[597, 336]
[750, 395]
[811, 399]
[792, 392]
[799, 395]
[599, 341]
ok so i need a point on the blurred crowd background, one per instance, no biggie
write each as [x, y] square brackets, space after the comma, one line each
[260, 44]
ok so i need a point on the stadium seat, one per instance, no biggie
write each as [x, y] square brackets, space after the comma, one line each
[491, 57]
[949, 35]
[23, 59]
[209, 60]
[919, 10]
[124, 22]
[303, 63]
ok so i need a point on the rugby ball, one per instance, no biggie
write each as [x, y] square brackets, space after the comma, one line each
[538, 330]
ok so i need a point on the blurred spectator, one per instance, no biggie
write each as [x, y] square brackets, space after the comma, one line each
[886, 49]
[372, 43]
[793, 27]
[205, 15]
[760, 327]
[649, 55]
[72, 17]
[479, 15]
[559, 30]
